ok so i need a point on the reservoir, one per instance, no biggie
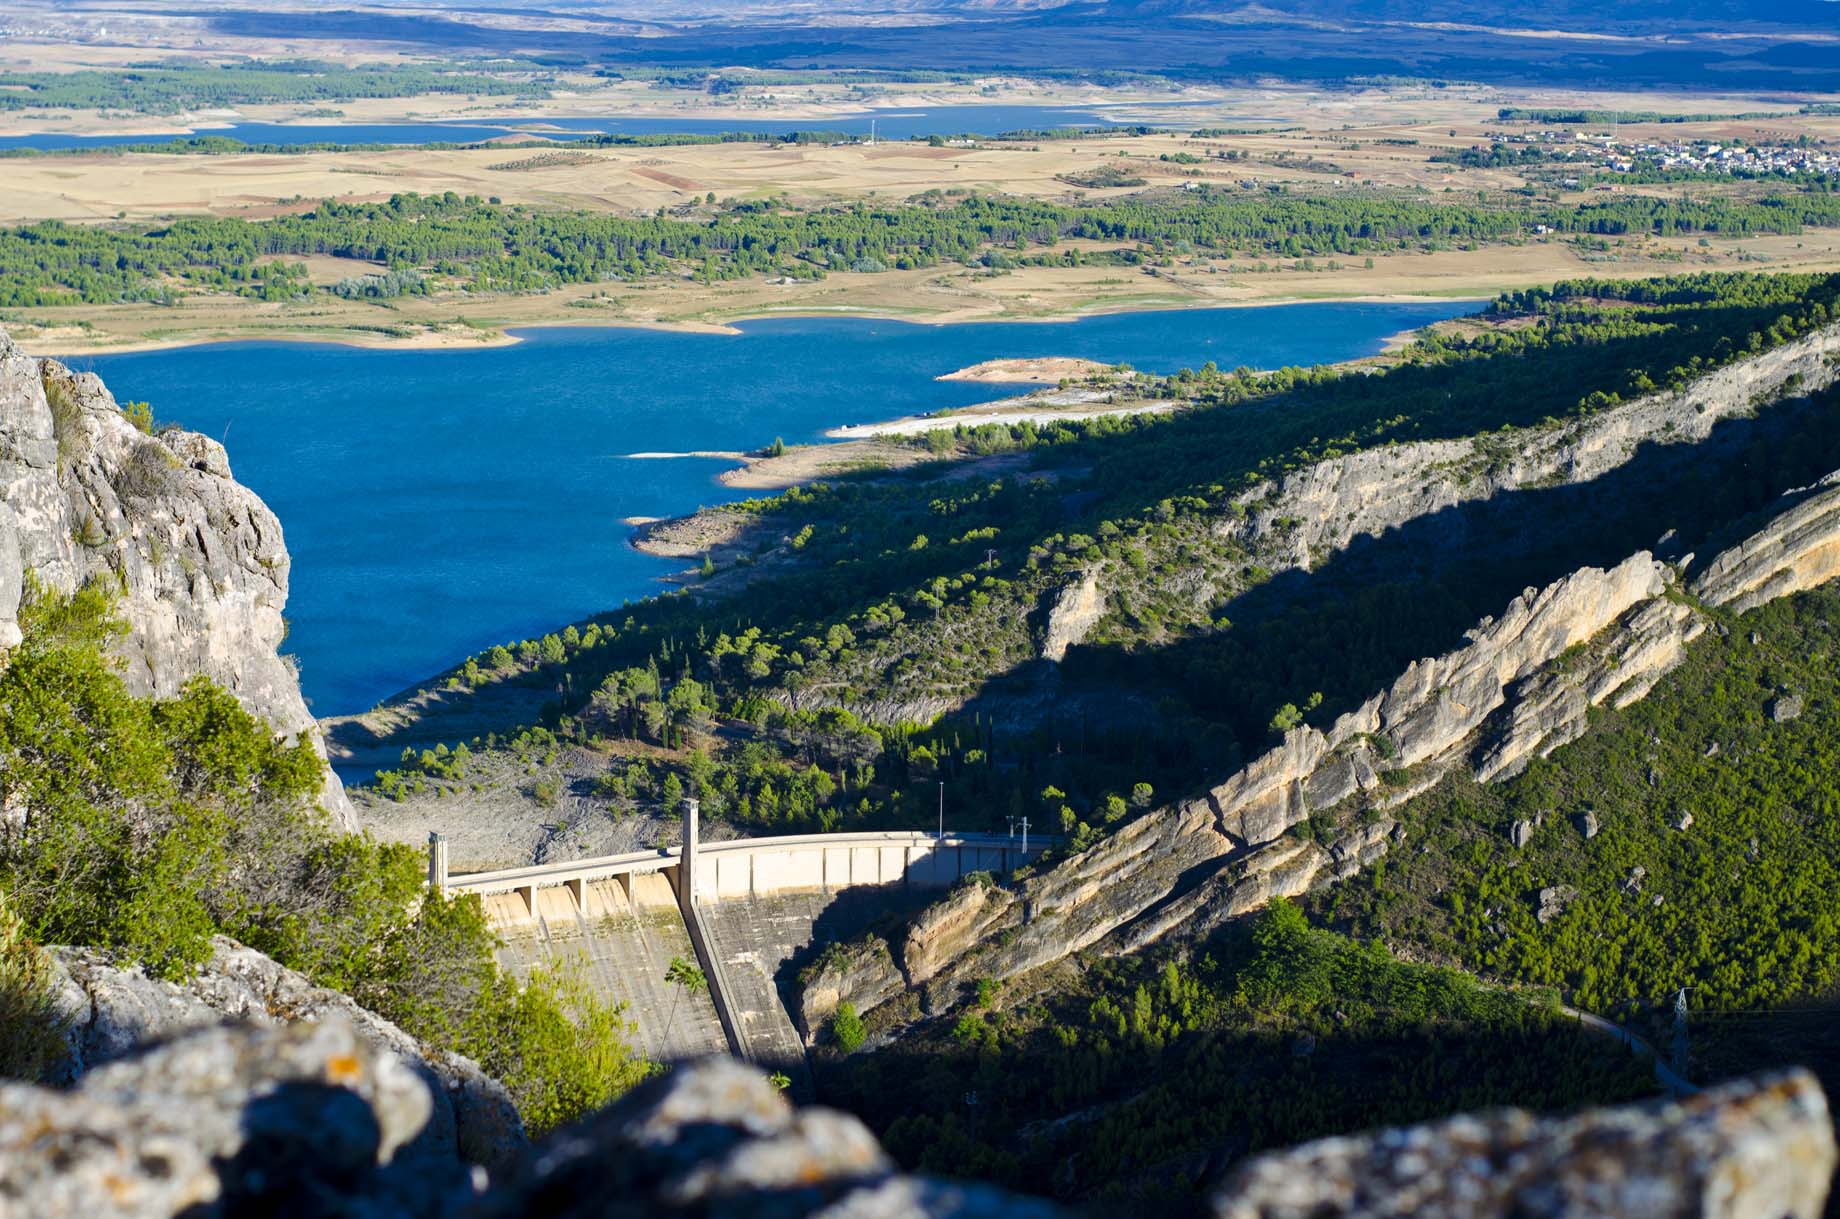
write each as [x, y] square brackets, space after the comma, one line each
[438, 502]
[887, 124]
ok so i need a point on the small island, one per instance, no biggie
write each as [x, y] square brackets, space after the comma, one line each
[1040, 370]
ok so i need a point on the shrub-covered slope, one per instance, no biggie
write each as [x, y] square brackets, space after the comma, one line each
[1714, 810]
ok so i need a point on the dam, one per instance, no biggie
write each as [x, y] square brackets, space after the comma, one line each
[750, 913]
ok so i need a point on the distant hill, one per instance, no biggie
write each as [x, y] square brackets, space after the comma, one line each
[1756, 47]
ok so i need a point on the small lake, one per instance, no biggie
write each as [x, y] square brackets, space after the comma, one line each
[438, 502]
[888, 124]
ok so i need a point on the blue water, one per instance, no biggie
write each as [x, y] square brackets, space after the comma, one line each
[893, 125]
[437, 502]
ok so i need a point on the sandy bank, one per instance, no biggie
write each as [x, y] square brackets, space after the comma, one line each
[919, 425]
[718, 454]
[77, 341]
[1045, 370]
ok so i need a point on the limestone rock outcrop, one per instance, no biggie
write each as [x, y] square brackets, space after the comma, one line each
[313, 1119]
[199, 559]
[111, 1011]
[1759, 1148]
[1324, 507]
[301, 1119]
[858, 969]
[1494, 705]
[1799, 548]
[1076, 610]
[1521, 687]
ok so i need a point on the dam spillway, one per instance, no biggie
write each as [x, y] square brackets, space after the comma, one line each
[622, 937]
[748, 912]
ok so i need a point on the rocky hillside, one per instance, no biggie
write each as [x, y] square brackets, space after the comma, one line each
[314, 1119]
[86, 494]
[1521, 687]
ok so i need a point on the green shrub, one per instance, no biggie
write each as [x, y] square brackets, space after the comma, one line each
[153, 825]
[31, 1030]
[847, 1029]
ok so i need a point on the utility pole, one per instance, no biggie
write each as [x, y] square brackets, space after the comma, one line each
[686, 866]
[437, 862]
[1025, 839]
[990, 559]
[942, 810]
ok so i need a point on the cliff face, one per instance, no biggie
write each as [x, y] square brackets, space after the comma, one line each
[1328, 505]
[1520, 688]
[199, 558]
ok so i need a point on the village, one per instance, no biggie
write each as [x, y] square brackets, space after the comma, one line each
[1645, 158]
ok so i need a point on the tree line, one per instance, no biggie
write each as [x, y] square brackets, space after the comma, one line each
[482, 246]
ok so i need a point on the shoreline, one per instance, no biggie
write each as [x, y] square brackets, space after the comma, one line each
[484, 338]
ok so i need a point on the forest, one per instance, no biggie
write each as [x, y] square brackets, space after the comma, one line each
[171, 88]
[481, 246]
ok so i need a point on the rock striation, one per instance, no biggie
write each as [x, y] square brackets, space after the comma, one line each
[1520, 688]
[198, 557]
[313, 1119]
[110, 1012]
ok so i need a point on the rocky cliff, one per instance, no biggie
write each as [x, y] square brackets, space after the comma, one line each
[1326, 506]
[199, 559]
[313, 1119]
[1519, 688]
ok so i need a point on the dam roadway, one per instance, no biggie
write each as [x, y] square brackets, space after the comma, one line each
[750, 912]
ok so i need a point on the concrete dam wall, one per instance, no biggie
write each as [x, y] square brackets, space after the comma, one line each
[750, 913]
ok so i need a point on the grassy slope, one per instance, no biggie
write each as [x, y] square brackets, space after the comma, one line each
[1737, 908]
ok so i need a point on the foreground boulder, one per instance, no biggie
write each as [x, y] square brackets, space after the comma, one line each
[715, 1138]
[304, 1119]
[111, 1010]
[313, 1119]
[1760, 1148]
